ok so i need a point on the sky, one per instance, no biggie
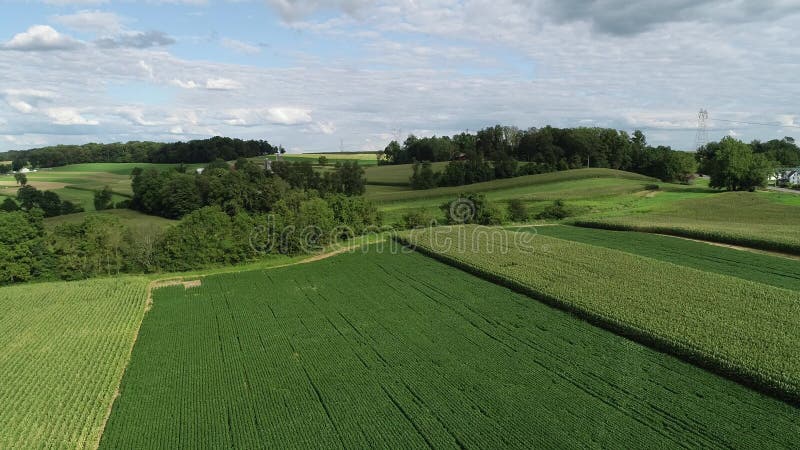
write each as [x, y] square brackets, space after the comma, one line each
[315, 75]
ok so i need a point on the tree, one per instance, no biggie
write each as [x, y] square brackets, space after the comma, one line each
[103, 199]
[735, 167]
[323, 160]
[517, 211]
[422, 176]
[21, 179]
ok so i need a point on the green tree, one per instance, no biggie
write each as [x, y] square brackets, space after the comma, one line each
[21, 179]
[517, 210]
[422, 176]
[323, 160]
[103, 198]
[735, 167]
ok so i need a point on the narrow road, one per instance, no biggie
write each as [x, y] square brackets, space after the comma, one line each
[785, 190]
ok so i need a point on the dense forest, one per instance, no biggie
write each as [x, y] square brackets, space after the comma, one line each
[197, 151]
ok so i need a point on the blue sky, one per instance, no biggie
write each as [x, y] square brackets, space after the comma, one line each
[312, 74]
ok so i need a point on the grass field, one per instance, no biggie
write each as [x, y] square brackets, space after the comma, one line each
[767, 269]
[63, 348]
[749, 331]
[759, 220]
[412, 354]
[364, 159]
[535, 190]
[396, 175]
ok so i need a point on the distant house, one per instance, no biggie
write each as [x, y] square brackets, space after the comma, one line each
[460, 157]
[24, 170]
[200, 170]
[793, 177]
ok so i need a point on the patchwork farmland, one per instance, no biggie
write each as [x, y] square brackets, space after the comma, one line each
[400, 350]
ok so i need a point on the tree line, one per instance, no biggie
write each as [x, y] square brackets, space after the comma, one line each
[245, 186]
[195, 151]
[503, 152]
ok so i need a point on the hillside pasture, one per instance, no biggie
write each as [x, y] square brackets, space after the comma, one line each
[758, 220]
[396, 175]
[746, 330]
[400, 351]
[535, 190]
[63, 348]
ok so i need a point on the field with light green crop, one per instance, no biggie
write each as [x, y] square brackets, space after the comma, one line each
[763, 268]
[746, 330]
[759, 220]
[63, 348]
[409, 353]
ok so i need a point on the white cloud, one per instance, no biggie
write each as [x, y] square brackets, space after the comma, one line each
[68, 116]
[189, 84]
[211, 84]
[222, 84]
[296, 9]
[288, 116]
[21, 106]
[99, 22]
[41, 38]
[239, 46]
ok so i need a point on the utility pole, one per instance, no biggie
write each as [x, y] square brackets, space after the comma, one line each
[702, 129]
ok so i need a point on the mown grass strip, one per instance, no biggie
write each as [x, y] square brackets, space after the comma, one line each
[773, 270]
[746, 331]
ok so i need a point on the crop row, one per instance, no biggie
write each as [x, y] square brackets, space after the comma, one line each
[400, 351]
[63, 347]
[745, 330]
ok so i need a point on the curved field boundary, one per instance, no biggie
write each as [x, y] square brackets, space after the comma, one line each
[400, 351]
[778, 385]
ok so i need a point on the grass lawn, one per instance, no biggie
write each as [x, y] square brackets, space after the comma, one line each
[412, 354]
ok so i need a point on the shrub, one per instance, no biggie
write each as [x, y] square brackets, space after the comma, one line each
[418, 218]
[652, 187]
[472, 208]
[556, 211]
[517, 210]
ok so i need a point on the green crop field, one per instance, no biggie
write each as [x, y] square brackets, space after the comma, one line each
[396, 175]
[411, 354]
[759, 220]
[767, 269]
[364, 159]
[63, 348]
[607, 189]
[750, 331]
